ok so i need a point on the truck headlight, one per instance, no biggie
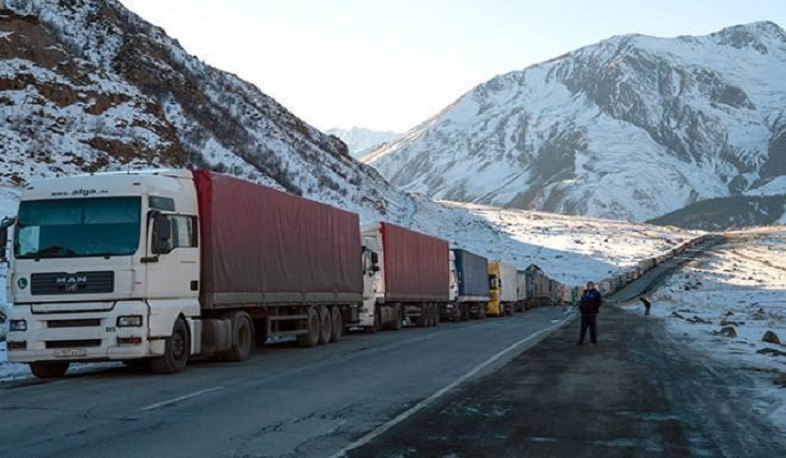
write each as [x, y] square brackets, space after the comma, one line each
[129, 321]
[17, 325]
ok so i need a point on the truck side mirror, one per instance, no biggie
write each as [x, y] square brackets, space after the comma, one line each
[162, 232]
[4, 225]
[375, 259]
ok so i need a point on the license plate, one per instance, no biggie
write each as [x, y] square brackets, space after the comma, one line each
[70, 352]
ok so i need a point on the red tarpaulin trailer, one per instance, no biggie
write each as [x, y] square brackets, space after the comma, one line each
[265, 247]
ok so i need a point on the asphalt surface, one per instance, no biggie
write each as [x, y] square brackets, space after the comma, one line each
[639, 392]
[284, 401]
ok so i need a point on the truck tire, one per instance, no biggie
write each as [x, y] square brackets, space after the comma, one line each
[325, 325]
[49, 370]
[464, 312]
[398, 318]
[338, 324]
[434, 314]
[310, 338]
[242, 340]
[176, 351]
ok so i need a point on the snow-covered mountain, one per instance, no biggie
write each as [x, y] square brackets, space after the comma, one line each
[633, 127]
[361, 141]
[88, 85]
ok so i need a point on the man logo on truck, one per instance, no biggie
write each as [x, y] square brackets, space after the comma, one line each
[71, 283]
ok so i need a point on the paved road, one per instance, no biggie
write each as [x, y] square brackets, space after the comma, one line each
[283, 401]
[640, 392]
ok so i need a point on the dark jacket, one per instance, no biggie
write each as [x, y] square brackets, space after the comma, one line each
[590, 301]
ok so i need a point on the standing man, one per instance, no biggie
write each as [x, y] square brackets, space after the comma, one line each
[589, 307]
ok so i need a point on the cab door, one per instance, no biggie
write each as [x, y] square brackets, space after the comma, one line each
[173, 260]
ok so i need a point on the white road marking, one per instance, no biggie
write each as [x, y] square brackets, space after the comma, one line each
[429, 400]
[181, 398]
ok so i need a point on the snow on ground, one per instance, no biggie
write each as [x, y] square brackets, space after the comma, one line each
[741, 285]
[570, 249]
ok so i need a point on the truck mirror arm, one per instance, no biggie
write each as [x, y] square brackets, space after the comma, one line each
[4, 225]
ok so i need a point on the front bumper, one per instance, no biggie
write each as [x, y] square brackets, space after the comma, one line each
[82, 336]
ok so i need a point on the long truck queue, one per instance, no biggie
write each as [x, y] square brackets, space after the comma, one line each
[159, 267]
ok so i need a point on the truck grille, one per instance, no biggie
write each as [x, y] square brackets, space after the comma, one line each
[73, 343]
[83, 323]
[76, 283]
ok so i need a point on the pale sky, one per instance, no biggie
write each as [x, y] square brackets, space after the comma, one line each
[390, 64]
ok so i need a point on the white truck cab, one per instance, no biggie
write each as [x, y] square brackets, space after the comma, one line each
[90, 280]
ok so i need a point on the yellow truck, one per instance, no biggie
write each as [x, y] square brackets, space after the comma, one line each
[503, 289]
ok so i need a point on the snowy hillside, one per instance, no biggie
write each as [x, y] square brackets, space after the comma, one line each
[88, 85]
[632, 128]
[726, 302]
[362, 141]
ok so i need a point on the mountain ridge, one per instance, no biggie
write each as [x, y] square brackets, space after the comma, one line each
[556, 136]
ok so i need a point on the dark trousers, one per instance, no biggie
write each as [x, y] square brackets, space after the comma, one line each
[589, 320]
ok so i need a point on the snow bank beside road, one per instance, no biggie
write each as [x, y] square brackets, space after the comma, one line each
[725, 302]
[570, 249]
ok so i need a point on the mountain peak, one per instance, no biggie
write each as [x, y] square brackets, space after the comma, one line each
[756, 35]
[585, 132]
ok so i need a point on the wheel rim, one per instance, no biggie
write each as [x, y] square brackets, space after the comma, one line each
[178, 345]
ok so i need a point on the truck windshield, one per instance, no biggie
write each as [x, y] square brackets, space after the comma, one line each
[64, 228]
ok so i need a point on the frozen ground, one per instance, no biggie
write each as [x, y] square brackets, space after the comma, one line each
[569, 249]
[741, 286]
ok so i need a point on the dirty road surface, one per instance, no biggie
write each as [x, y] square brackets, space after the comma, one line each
[639, 392]
[284, 401]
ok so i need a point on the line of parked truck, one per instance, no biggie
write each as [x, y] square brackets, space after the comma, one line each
[162, 266]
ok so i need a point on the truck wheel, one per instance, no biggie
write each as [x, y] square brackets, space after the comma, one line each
[310, 338]
[325, 325]
[176, 350]
[434, 314]
[464, 312]
[398, 318]
[243, 341]
[49, 370]
[483, 310]
[338, 324]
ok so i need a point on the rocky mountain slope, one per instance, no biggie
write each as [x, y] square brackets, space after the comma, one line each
[362, 141]
[633, 127]
[88, 85]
